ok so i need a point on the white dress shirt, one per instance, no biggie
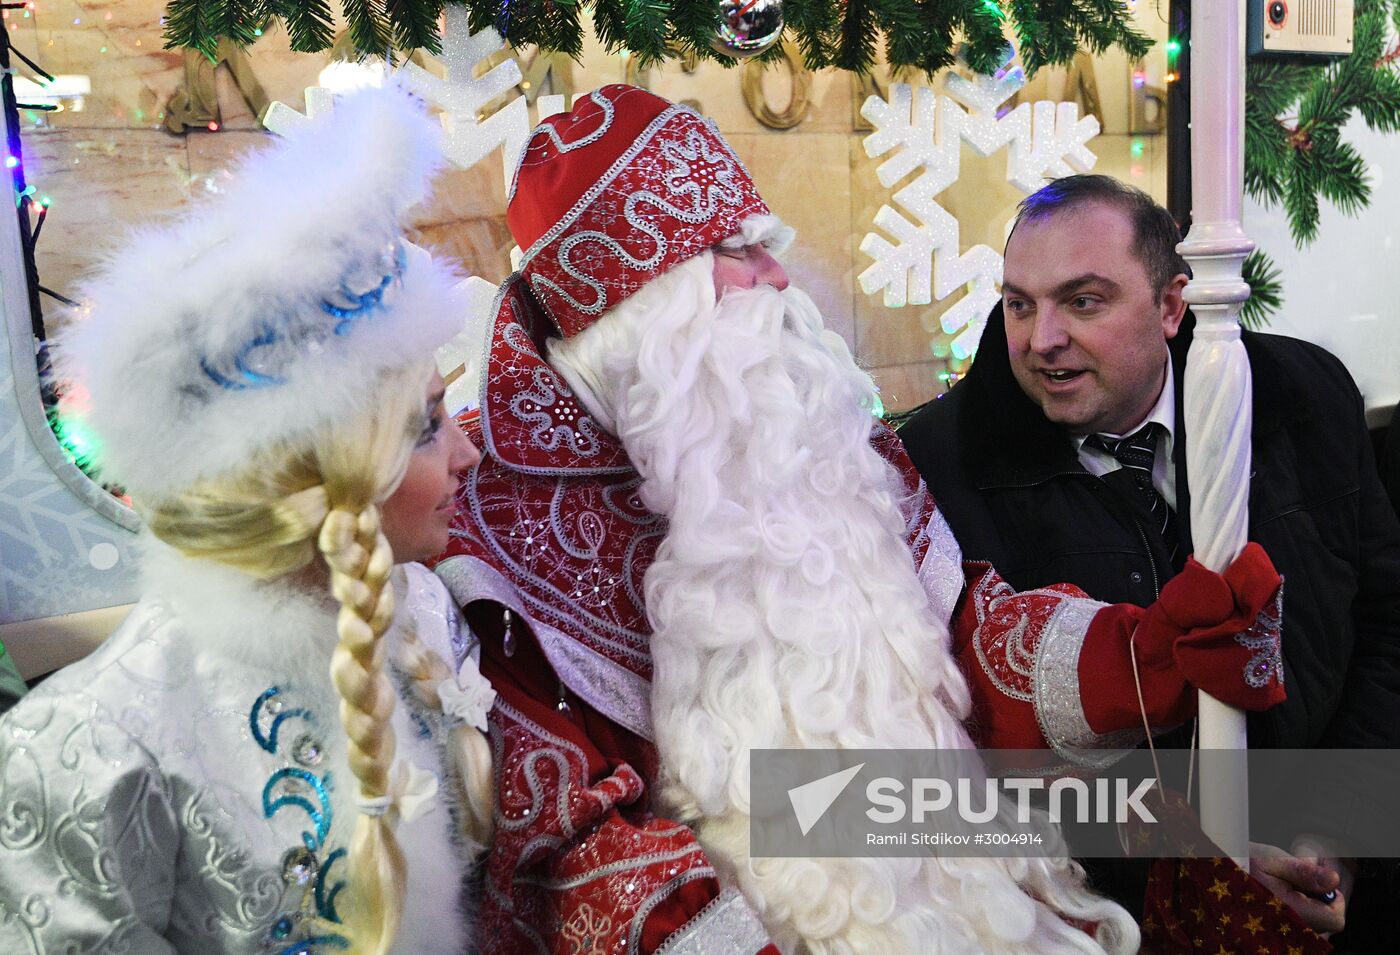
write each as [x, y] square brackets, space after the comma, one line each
[1099, 462]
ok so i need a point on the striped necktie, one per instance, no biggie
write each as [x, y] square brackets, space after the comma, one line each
[1135, 453]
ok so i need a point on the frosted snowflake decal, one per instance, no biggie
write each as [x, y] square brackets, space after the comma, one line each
[462, 95]
[926, 131]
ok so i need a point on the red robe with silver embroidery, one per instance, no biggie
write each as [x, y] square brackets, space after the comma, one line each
[550, 547]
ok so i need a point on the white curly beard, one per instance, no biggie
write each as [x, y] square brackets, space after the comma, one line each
[786, 612]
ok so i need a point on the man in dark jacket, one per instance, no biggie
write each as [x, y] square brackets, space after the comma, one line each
[1061, 457]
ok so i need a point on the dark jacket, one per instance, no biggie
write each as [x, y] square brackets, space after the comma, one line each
[1011, 486]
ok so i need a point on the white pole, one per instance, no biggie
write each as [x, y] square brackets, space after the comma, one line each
[1218, 390]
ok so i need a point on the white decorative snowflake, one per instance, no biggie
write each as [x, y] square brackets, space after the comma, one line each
[462, 95]
[926, 131]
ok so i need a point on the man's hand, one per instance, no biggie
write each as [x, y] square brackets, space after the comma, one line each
[1301, 878]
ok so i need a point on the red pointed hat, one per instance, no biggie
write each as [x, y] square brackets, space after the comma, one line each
[612, 194]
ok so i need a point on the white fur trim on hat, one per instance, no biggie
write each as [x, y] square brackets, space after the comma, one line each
[768, 231]
[316, 218]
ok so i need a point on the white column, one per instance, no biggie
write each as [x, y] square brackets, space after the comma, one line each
[1218, 389]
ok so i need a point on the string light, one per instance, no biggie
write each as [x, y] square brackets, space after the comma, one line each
[213, 126]
[1171, 77]
[78, 443]
[11, 162]
[1137, 148]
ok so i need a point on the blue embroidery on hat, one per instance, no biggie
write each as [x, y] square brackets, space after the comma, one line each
[294, 334]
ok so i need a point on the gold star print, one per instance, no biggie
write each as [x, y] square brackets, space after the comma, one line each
[1149, 924]
[1224, 921]
[1254, 925]
[1249, 896]
[1221, 889]
[1295, 950]
[1284, 928]
[1265, 950]
[1276, 904]
[1200, 913]
[1222, 951]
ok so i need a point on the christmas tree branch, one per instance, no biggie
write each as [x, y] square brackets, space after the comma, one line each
[923, 34]
[1294, 115]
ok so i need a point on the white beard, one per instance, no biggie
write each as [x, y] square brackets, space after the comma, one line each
[786, 613]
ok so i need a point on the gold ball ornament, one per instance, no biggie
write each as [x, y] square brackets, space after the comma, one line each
[748, 27]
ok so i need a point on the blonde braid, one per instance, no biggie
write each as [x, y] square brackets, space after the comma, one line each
[467, 745]
[360, 563]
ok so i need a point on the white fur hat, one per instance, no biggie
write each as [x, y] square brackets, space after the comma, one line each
[269, 310]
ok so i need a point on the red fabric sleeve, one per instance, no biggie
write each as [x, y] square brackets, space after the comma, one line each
[578, 858]
[1052, 667]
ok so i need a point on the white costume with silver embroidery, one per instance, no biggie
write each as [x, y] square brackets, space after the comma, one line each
[185, 788]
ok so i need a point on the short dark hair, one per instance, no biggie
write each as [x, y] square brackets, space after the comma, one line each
[1155, 232]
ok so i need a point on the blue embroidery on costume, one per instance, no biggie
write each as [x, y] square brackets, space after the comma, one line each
[308, 945]
[294, 787]
[274, 801]
[268, 740]
[362, 305]
[325, 903]
[277, 342]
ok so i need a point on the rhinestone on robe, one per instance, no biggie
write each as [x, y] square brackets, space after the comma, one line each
[307, 750]
[299, 866]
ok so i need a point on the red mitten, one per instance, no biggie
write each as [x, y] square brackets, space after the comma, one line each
[1215, 632]
[1230, 646]
[1106, 670]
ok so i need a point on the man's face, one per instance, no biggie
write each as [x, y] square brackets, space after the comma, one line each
[1087, 336]
[746, 266]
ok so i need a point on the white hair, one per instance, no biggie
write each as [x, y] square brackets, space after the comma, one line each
[786, 612]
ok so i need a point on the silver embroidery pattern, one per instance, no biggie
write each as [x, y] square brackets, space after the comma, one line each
[941, 569]
[604, 181]
[613, 690]
[554, 416]
[698, 181]
[546, 803]
[530, 418]
[542, 560]
[1059, 707]
[1265, 638]
[725, 926]
[610, 688]
[549, 131]
[1005, 653]
[132, 802]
